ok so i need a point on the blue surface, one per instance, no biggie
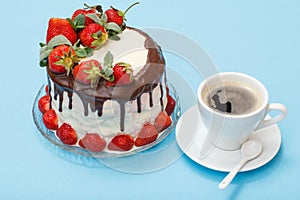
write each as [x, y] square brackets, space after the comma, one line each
[260, 38]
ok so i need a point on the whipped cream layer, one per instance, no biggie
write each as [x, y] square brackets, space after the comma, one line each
[108, 125]
[129, 49]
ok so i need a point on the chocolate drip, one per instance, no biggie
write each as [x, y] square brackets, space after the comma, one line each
[85, 104]
[55, 92]
[70, 94]
[122, 115]
[139, 107]
[94, 104]
[49, 92]
[58, 91]
[150, 99]
[161, 97]
[99, 106]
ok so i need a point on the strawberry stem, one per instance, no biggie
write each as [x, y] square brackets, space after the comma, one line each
[130, 7]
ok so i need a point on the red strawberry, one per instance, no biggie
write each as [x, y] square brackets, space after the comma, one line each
[162, 121]
[122, 74]
[84, 12]
[117, 16]
[50, 119]
[47, 89]
[87, 72]
[57, 26]
[147, 135]
[44, 103]
[121, 142]
[92, 142]
[66, 134]
[170, 105]
[93, 35]
[62, 59]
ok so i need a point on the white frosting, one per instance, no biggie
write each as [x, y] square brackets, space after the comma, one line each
[108, 125]
[129, 49]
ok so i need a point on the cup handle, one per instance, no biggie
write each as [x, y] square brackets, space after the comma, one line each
[268, 122]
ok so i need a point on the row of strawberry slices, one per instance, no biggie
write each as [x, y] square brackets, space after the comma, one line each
[68, 41]
[93, 141]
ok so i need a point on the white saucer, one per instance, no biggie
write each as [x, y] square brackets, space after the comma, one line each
[191, 136]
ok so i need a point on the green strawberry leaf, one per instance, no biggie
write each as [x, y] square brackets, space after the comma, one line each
[58, 40]
[114, 27]
[114, 37]
[108, 60]
[94, 17]
[43, 63]
[108, 74]
[79, 20]
[97, 35]
[44, 56]
[84, 52]
[72, 23]
[42, 44]
[104, 18]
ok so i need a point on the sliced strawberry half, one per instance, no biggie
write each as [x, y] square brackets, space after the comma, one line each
[92, 142]
[66, 134]
[147, 135]
[44, 103]
[162, 121]
[171, 103]
[121, 142]
[50, 119]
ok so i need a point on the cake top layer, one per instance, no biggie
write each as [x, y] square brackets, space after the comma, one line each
[130, 49]
[135, 47]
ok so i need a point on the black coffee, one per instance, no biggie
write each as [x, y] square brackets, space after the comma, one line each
[233, 99]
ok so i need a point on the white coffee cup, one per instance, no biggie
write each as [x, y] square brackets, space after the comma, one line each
[229, 131]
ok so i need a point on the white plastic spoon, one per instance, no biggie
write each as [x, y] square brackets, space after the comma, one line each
[250, 150]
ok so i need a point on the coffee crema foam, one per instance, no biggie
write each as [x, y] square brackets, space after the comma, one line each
[233, 98]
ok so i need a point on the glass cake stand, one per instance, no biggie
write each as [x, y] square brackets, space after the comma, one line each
[51, 136]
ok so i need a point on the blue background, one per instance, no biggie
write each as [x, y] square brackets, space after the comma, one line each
[260, 38]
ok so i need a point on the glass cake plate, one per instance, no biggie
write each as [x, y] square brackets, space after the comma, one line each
[51, 136]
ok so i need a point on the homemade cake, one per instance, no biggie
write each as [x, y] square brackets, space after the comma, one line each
[106, 86]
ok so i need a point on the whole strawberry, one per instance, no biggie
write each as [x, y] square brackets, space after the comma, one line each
[87, 72]
[50, 119]
[58, 26]
[94, 35]
[123, 74]
[147, 135]
[117, 16]
[92, 142]
[85, 13]
[121, 142]
[66, 134]
[44, 103]
[62, 59]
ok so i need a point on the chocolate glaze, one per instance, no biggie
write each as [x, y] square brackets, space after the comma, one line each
[149, 77]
